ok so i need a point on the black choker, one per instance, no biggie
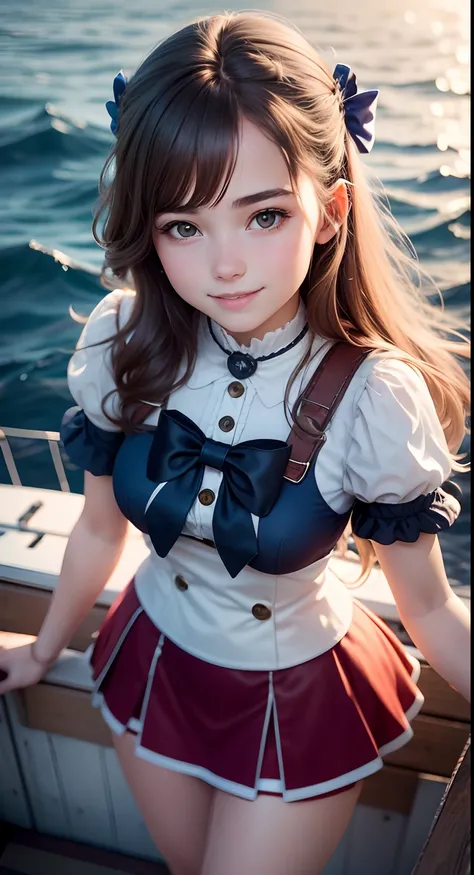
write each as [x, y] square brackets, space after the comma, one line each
[242, 365]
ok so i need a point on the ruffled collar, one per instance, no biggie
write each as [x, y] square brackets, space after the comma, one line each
[271, 342]
[271, 377]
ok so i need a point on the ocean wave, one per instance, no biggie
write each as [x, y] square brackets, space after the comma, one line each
[408, 207]
[457, 297]
[50, 134]
[9, 102]
[405, 148]
[15, 116]
[432, 181]
[44, 261]
[442, 234]
[38, 299]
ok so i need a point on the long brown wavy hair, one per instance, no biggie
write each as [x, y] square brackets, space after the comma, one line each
[178, 131]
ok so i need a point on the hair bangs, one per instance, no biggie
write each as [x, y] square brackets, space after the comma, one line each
[197, 151]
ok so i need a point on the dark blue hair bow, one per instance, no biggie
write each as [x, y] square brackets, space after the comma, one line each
[252, 478]
[112, 106]
[359, 108]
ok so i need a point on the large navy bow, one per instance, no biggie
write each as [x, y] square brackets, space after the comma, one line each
[359, 108]
[252, 477]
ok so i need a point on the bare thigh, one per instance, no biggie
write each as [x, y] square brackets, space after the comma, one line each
[175, 807]
[270, 837]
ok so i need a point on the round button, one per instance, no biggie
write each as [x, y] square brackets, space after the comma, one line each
[180, 583]
[226, 423]
[235, 389]
[206, 497]
[261, 612]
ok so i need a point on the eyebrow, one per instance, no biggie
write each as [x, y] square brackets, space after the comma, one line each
[246, 201]
[250, 199]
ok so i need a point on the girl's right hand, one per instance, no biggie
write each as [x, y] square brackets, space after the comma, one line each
[18, 668]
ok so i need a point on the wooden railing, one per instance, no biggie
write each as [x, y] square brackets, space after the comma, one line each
[448, 847]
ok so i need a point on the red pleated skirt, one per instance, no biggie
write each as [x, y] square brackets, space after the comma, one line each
[302, 732]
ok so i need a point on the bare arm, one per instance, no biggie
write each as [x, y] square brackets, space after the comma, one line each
[93, 550]
[434, 617]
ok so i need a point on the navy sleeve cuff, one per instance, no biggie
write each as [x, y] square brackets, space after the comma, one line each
[387, 523]
[91, 448]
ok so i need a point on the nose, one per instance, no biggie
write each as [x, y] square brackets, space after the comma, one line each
[227, 264]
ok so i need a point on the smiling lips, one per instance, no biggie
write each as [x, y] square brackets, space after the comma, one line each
[236, 302]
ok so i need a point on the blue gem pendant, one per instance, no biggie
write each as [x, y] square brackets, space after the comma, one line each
[241, 365]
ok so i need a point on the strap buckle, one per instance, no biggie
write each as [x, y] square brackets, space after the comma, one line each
[304, 400]
[305, 471]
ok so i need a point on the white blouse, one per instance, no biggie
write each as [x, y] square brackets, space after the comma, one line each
[384, 445]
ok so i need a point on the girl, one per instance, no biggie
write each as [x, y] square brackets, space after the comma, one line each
[247, 692]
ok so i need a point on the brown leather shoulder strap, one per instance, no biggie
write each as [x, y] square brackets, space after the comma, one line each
[318, 403]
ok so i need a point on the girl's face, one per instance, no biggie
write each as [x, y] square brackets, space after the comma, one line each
[243, 261]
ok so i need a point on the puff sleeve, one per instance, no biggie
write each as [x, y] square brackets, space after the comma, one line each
[91, 441]
[398, 459]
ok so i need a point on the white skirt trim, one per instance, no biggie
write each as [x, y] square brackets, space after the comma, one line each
[264, 784]
[416, 667]
[276, 727]
[266, 724]
[269, 785]
[116, 649]
[146, 697]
